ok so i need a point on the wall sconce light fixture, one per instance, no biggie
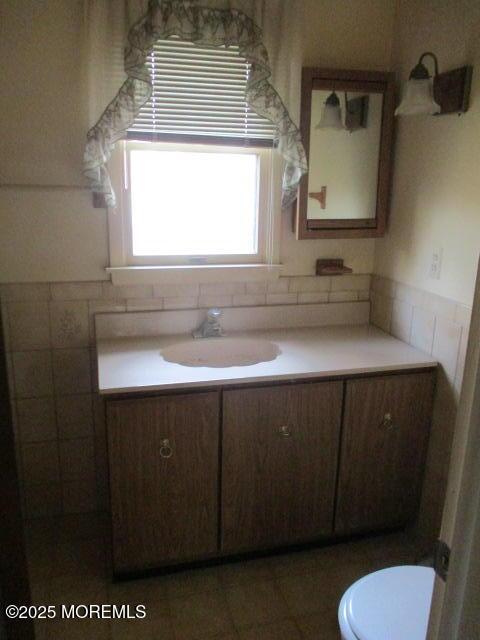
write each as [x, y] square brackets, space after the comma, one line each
[356, 113]
[447, 92]
[332, 114]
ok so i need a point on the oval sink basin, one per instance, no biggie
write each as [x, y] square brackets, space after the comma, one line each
[221, 352]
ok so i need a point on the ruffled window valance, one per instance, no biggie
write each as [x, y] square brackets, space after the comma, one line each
[205, 22]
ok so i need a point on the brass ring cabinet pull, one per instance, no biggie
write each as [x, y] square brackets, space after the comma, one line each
[387, 422]
[166, 450]
[285, 432]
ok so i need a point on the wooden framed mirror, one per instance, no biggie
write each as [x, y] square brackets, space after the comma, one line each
[347, 121]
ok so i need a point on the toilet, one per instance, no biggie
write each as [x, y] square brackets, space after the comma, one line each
[391, 604]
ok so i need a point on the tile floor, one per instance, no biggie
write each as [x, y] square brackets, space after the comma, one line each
[286, 597]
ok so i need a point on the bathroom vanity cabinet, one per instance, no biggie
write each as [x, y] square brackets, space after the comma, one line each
[204, 474]
[163, 455]
[384, 440]
[279, 464]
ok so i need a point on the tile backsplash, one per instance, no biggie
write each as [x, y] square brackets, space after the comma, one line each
[50, 336]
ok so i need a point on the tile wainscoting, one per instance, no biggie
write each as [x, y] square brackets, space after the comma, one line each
[440, 327]
[434, 324]
[50, 340]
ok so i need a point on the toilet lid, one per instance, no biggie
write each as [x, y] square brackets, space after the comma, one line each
[392, 603]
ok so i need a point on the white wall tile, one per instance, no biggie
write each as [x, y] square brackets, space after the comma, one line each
[208, 301]
[29, 325]
[411, 295]
[10, 375]
[256, 287]
[71, 369]
[69, 323]
[93, 369]
[278, 286]
[128, 291]
[101, 472]
[222, 289]
[103, 306]
[180, 302]
[75, 416]
[282, 298]
[175, 290]
[77, 459]
[383, 286]
[463, 315]
[30, 291]
[76, 290]
[149, 304]
[462, 354]
[40, 463]
[423, 329]
[99, 417]
[36, 419]
[5, 327]
[439, 306]
[381, 311]
[249, 300]
[310, 283]
[342, 296]
[43, 500]
[32, 372]
[351, 282]
[313, 297]
[401, 325]
[80, 496]
[446, 344]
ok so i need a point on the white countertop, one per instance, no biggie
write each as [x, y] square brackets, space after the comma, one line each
[129, 365]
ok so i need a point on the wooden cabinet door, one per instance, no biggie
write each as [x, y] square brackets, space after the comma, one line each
[384, 440]
[280, 447]
[163, 457]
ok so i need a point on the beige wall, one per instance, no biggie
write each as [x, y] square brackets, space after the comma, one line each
[52, 234]
[436, 192]
[49, 229]
[350, 34]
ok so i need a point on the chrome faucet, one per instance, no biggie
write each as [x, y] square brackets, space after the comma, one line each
[210, 327]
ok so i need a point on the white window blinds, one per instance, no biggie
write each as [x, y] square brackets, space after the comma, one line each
[199, 93]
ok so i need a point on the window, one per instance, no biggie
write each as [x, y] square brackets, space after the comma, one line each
[214, 197]
[197, 164]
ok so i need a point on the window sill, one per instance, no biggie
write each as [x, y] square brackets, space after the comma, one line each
[173, 274]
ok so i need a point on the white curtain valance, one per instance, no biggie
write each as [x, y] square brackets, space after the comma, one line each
[120, 35]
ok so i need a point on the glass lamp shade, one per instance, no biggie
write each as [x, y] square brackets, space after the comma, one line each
[418, 99]
[331, 115]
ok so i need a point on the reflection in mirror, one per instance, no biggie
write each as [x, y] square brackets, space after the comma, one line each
[347, 126]
[345, 133]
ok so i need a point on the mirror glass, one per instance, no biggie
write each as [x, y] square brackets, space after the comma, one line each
[345, 133]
